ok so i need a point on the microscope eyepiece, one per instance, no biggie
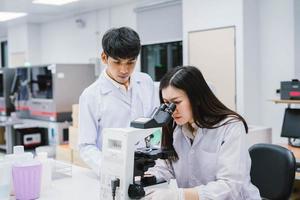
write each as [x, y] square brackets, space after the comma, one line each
[163, 106]
[161, 117]
[171, 108]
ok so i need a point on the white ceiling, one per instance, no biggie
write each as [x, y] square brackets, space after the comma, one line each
[39, 13]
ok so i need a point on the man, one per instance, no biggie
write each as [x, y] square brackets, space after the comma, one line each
[119, 96]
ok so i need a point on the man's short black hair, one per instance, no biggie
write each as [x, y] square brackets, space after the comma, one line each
[121, 43]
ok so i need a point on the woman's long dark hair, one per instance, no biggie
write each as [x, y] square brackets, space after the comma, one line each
[208, 111]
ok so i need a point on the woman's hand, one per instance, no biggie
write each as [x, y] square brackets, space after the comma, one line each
[164, 194]
[172, 194]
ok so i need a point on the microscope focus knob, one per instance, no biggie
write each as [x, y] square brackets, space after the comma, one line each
[136, 191]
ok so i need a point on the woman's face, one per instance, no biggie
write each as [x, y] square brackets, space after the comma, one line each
[183, 112]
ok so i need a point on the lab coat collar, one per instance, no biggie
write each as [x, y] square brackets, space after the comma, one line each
[107, 85]
[179, 132]
[116, 84]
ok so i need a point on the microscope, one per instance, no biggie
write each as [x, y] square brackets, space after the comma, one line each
[123, 164]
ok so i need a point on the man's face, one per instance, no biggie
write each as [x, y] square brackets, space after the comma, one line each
[119, 69]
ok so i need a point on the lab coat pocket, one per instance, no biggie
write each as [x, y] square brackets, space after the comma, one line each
[206, 166]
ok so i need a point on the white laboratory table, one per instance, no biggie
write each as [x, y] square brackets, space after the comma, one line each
[83, 184]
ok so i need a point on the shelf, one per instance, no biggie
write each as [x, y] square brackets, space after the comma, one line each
[3, 147]
[286, 101]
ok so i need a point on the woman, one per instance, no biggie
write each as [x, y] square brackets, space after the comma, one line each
[210, 157]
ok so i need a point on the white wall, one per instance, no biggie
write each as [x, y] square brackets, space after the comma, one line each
[160, 22]
[123, 16]
[206, 14]
[3, 31]
[277, 58]
[17, 41]
[64, 42]
[34, 44]
[252, 77]
[17, 37]
[3, 38]
[24, 44]
[297, 37]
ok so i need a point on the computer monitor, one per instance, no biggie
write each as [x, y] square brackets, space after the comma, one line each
[1, 85]
[291, 123]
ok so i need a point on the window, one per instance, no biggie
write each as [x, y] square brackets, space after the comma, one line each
[157, 59]
[4, 54]
[41, 83]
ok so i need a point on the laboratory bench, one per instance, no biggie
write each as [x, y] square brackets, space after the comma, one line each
[56, 131]
[8, 126]
[296, 152]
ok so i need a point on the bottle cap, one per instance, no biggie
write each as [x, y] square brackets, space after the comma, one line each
[18, 149]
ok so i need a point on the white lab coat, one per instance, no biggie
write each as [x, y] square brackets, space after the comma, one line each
[104, 105]
[217, 164]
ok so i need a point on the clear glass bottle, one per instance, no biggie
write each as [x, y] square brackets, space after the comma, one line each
[46, 170]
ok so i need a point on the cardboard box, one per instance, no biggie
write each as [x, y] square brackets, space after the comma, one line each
[77, 159]
[75, 114]
[73, 137]
[64, 153]
[2, 135]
